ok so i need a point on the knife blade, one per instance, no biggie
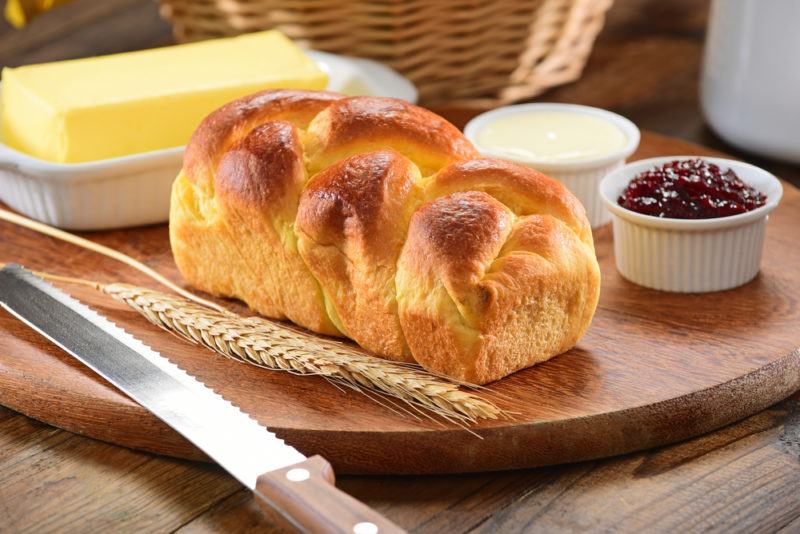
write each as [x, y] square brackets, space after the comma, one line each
[296, 491]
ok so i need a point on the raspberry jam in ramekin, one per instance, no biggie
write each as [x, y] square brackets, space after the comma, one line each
[690, 189]
[706, 225]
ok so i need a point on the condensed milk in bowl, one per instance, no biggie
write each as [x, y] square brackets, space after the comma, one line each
[577, 145]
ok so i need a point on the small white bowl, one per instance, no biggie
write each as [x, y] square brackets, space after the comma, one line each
[689, 255]
[580, 176]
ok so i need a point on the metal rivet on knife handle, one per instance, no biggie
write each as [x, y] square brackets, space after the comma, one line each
[315, 504]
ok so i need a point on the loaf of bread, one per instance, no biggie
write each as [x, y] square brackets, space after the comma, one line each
[376, 220]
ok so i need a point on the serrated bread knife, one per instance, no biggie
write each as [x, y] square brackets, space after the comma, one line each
[296, 491]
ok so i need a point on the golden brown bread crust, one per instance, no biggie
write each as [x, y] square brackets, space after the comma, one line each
[352, 225]
[496, 291]
[524, 190]
[237, 248]
[375, 219]
[227, 125]
[363, 124]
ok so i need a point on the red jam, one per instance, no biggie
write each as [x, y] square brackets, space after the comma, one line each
[690, 189]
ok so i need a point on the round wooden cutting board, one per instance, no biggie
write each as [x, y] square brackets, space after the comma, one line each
[653, 368]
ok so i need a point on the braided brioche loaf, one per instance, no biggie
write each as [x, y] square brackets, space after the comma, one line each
[375, 219]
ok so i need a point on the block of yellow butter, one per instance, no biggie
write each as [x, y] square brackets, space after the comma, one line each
[110, 106]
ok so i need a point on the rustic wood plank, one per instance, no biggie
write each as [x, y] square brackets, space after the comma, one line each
[64, 482]
[790, 528]
[237, 513]
[5, 413]
[22, 438]
[738, 479]
[457, 502]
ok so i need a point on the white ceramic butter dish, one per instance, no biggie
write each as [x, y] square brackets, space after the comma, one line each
[689, 255]
[134, 190]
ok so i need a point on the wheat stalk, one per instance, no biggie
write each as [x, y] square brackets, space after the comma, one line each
[260, 342]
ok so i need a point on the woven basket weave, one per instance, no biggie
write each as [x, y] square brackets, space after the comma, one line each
[462, 52]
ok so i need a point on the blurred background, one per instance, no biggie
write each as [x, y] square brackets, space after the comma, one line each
[645, 63]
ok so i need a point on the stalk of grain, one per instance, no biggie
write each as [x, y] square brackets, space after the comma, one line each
[266, 344]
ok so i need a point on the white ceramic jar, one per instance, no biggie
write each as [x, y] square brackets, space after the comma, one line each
[750, 88]
[582, 171]
[689, 255]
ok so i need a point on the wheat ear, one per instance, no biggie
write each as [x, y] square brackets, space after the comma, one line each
[263, 343]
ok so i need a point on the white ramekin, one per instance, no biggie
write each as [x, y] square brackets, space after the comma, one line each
[582, 176]
[689, 256]
[134, 190]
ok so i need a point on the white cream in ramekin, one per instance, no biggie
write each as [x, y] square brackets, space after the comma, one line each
[580, 171]
[689, 255]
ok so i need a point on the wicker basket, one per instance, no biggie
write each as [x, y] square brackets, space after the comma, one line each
[463, 52]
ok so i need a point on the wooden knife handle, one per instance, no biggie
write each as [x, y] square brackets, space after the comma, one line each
[303, 497]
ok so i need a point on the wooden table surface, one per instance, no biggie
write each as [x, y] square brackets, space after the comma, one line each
[745, 477]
